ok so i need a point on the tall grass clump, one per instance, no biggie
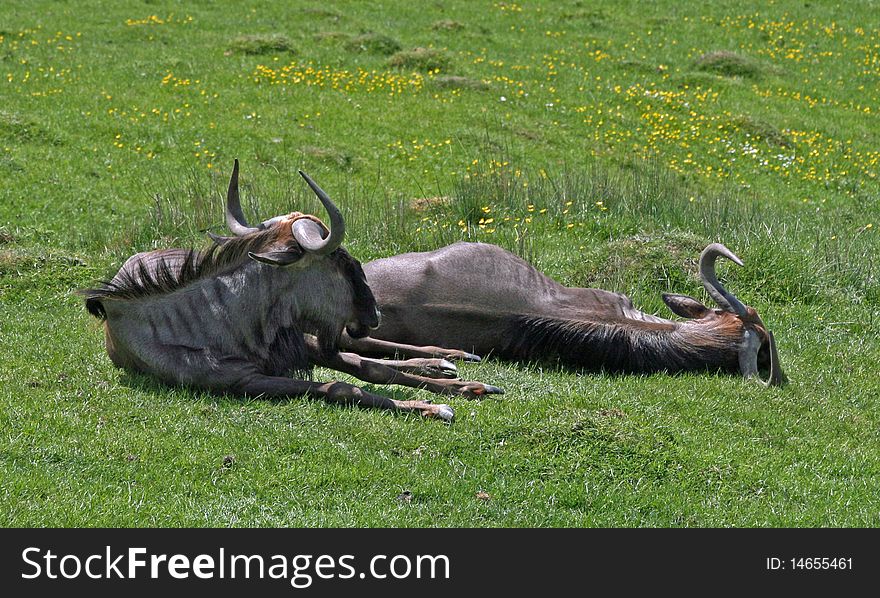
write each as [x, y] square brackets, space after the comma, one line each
[262, 43]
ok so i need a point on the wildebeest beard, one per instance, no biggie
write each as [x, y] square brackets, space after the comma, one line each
[287, 355]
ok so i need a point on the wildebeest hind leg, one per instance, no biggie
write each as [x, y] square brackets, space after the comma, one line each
[336, 392]
[375, 371]
[375, 347]
[420, 366]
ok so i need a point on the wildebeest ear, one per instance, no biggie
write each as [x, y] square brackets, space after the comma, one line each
[276, 258]
[684, 306]
[218, 239]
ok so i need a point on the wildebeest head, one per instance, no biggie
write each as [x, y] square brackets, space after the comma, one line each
[758, 347]
[302, 240]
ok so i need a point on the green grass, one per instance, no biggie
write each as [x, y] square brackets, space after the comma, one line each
[601, 144]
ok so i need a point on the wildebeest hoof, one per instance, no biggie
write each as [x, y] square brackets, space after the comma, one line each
[429, 409]
[445, 413]
[441, 369]
[429, 368]
[477, 390]
[439, 411]
[432, 368]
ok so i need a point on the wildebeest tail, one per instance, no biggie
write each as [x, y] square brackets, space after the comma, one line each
[93, 302]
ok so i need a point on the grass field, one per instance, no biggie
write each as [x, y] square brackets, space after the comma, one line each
[605, 142]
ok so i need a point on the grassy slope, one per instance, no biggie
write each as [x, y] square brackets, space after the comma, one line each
[610, 105]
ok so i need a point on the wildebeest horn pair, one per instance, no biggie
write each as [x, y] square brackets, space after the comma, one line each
[748, 356]
[308, 233]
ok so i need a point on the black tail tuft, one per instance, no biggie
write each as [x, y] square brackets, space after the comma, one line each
[93, 303]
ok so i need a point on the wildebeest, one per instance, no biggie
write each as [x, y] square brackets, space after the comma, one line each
[243, 315]
[483, 299]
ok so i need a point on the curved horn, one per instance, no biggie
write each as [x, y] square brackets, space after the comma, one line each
[234, 216]
[309, 235]
[725, 300]
[748, 359]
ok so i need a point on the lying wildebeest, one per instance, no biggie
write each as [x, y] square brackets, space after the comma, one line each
[481, 298]
[241, 316]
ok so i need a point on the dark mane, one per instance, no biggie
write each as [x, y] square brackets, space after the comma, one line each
[164, 277]
[619, 347]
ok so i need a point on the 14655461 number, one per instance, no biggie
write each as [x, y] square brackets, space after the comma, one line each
[821, 563]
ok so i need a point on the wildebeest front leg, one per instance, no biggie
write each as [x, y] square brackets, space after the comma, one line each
[336, 392]
[374, 371]
[420, 366]
[428, 367]
[378, 348]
